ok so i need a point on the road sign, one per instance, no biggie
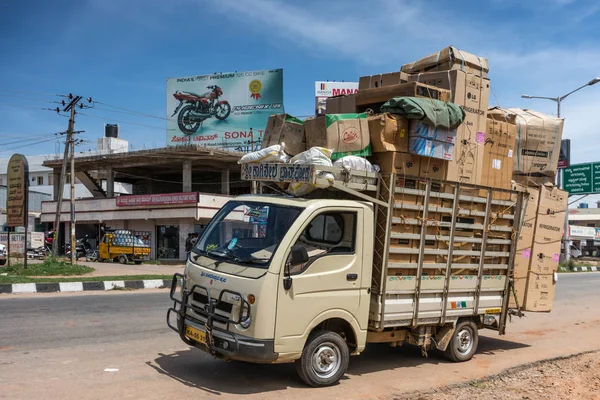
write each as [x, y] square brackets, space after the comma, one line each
[582, 178]
[564, 158]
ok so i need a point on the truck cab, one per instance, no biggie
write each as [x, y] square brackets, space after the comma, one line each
[271, 273]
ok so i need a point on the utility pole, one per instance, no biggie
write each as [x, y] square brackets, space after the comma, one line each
[69, 143]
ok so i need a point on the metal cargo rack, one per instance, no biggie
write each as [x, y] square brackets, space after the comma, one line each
[486, 219]
[437, 217]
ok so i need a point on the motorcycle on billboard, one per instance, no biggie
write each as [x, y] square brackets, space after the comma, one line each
[194, 108]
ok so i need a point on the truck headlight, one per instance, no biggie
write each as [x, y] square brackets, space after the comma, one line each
[246, 323]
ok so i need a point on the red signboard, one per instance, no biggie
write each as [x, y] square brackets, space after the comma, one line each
[157, 199]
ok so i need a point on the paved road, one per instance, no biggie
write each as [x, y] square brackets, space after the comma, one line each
[58, 346]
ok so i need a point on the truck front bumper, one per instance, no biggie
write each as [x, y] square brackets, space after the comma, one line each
[221, 343]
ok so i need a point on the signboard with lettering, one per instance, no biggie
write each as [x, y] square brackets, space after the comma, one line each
[564, 158]
[17, 242]
[17, 186]
[582, 178]
[296, 173]
[582, 231]
[323, 90]
[226, 110]
[157, 199]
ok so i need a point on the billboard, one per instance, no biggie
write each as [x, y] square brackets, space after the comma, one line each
[323, 90]
[225, 110]
[18, 191]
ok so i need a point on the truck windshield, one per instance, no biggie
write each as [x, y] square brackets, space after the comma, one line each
[246, 233]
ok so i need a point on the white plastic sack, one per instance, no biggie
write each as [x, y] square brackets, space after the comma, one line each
[314, 156]
[355, 163]
[273, 153]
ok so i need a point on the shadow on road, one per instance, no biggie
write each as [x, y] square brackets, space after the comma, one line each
[195, 369]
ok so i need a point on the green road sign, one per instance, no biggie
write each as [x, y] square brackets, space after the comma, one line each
[582, 178]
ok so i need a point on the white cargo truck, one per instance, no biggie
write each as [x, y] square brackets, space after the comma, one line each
[372, 258]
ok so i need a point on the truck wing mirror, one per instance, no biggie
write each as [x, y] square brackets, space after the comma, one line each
[299, 255]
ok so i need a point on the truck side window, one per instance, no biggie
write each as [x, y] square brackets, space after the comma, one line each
[328, 234]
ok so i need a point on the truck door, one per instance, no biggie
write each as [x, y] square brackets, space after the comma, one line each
[330, 280]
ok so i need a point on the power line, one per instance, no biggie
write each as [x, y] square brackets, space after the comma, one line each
[29, 98]
[31, 92]
[21, 106]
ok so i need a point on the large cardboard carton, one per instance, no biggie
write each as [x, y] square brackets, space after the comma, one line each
[388, 133]
[368, 97]
[346, 134]
[341, 104]
[403, 164]
[548, 230]
[422, 130]
[283, 128]
[539, 137]
[430, 148]
[375, 81]
[540, 291]
[524, 249]
[472, 93]
[434, 169]
[449, 59]
[498, 154]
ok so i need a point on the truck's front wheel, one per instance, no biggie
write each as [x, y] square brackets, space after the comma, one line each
[324, 359]
[464, 342]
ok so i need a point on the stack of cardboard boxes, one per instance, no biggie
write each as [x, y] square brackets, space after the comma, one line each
[538, 247]
[496, 148]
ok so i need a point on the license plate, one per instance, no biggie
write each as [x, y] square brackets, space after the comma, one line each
[493, 311]
[195, 334]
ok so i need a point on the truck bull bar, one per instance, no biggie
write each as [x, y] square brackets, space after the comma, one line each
[180, 307]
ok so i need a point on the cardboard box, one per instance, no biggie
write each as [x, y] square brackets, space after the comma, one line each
[434, 169]
[388, 133]
[524, 249]
[283, 128]
[368, 97]
[430, 148]
[346, 134]
[449, 59]
[375, 81]
[403, 164]
[422, 130]
[498, 154]
[539, 294]
[472, 93]
[548, 230]
[341, 104]
[538, 140]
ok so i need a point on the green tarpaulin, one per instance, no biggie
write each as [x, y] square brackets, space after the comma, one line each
[431, 112]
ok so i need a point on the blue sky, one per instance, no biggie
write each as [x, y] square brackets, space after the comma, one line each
[121, 52]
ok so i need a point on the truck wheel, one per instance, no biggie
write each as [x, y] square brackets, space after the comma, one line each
[464, 343]
[137, 262]
[123, 259]
[324, 359]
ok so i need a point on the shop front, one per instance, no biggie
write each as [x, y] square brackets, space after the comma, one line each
[163, 222]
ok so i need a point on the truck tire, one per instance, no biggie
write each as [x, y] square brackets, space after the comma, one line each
[324, 359]
[123, 259]
[465, 340]
[137, 262]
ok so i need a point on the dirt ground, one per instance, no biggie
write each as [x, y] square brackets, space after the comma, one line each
[574, 378]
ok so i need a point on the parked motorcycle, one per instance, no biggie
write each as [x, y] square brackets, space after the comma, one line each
[194, 108]
[82, 247]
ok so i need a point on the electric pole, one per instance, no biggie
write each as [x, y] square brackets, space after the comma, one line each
[69, 144]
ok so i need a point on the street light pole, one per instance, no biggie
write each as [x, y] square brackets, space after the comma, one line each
[558, 100]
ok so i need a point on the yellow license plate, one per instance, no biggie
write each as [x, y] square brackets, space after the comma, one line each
[493, 311]
[195, 334]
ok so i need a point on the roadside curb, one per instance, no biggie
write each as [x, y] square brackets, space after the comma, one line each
[586, 269]
[72, 287]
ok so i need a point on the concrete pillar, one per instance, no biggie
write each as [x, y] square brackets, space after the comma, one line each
[225, 181]
[187, 176]
[55, 182]
[110, 183]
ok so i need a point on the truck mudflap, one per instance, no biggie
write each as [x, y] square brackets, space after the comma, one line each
[220, 343]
